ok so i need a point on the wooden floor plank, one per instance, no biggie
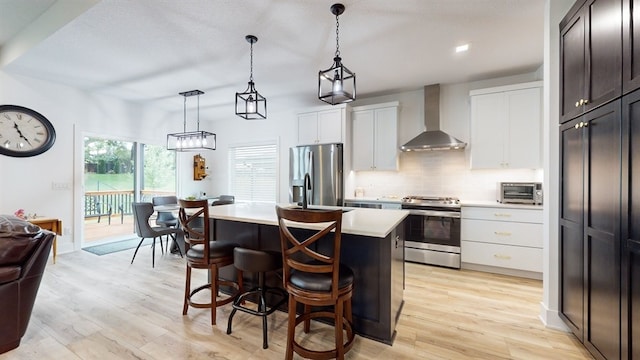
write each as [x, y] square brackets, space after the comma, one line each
[99, 307]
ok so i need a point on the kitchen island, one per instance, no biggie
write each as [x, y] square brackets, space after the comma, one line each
[372, 245]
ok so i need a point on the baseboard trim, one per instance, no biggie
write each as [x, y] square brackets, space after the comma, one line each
[503, 271]
[551, 319]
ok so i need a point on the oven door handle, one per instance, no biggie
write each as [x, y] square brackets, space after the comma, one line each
[447, 214]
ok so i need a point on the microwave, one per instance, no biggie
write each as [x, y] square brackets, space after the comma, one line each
[520, 193]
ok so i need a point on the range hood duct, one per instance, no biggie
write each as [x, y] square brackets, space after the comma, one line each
[433, 138]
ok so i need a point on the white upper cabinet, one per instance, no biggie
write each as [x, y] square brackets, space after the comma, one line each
[506, 126]
[375, 137]
[322, 126]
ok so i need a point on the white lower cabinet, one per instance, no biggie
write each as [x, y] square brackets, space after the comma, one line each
[499, 237]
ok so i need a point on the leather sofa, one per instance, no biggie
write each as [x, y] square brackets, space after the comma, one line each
[24, 251]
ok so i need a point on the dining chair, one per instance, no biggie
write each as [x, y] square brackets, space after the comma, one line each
[314, 276]
[166, 218]
[142, 212]
[203, 253]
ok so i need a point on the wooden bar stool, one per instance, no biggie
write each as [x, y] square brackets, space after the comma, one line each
[314, 276]
[260, 262]
[202, 253]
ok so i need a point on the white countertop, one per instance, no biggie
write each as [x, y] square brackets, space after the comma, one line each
[495, 204]
[359, 221]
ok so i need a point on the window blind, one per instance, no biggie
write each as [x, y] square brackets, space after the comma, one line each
[253, 172]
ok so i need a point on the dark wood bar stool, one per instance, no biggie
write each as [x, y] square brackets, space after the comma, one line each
[260, 262]
[202, 253]
[314, 276]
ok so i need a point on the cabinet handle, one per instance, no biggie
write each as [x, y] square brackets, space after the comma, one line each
[586, 101]
[577, 126]
[502, 233]
[586, 124]
[577, 103]
[502, 214]
[502, 256]
[397, 239]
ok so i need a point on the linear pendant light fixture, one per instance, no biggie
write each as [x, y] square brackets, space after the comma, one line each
[250, 105]
[193, 140]
[337, 85]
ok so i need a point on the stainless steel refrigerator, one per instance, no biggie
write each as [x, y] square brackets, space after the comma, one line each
[324, 164]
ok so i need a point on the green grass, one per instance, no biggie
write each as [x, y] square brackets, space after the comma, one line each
[105, 182]
[114, 182]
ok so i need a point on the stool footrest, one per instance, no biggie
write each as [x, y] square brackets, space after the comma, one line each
[218, 302]
[237, 304]
[326, 354]
[263, 310]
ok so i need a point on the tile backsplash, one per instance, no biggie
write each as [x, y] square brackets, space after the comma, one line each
[438, 173]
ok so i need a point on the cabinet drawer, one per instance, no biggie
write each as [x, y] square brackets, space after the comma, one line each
[502, 214]
[502, 232]
[511, 257]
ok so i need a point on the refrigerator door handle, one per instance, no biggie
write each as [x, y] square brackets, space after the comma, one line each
[310, 169]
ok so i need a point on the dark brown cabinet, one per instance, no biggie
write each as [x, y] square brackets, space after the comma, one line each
[630, 45]
[590, 56]
[630, 232]
[590, 252]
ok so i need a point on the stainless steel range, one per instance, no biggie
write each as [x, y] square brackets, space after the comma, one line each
[432, 230]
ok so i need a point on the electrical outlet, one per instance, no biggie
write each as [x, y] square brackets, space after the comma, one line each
[60, 186]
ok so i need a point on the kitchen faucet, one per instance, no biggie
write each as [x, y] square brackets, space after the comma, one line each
[305, 187]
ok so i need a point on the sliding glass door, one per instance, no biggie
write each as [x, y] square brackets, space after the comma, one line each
[117, 173]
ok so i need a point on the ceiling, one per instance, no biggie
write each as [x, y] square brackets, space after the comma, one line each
[149, 50]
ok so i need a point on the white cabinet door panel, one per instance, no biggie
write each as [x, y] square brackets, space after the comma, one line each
[511, 257]
[330, 126]
[363, 140]
[502, 214]
[487, 131]
[307, 128]
[502, 232]
[524, 138]
[386, 139]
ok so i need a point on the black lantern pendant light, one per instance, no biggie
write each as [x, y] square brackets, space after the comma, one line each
[337, 85]
[250, 105]
[191, 140]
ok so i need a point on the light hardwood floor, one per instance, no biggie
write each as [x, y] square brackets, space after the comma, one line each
[101, 307]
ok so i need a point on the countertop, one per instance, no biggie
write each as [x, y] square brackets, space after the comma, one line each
[356, 221]
[495, 204]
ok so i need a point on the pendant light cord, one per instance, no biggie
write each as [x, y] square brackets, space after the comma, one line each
[337, 37]
[184, 115]
[198, 116]
[251, 61]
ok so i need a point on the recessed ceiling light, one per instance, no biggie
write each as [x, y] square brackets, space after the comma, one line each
[462, 48]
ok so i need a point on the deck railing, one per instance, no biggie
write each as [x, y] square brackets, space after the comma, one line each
[107, 203]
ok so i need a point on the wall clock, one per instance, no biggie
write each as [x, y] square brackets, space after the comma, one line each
[24, 132]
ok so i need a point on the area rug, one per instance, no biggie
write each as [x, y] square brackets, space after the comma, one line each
[116, 246]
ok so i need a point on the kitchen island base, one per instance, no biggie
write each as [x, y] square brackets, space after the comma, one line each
[377, 263]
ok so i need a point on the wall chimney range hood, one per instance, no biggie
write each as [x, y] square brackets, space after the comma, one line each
[433, 138]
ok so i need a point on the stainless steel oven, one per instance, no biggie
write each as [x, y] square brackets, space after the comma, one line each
[432, 230]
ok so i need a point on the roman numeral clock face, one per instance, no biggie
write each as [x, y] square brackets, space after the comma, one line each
[24, 132]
